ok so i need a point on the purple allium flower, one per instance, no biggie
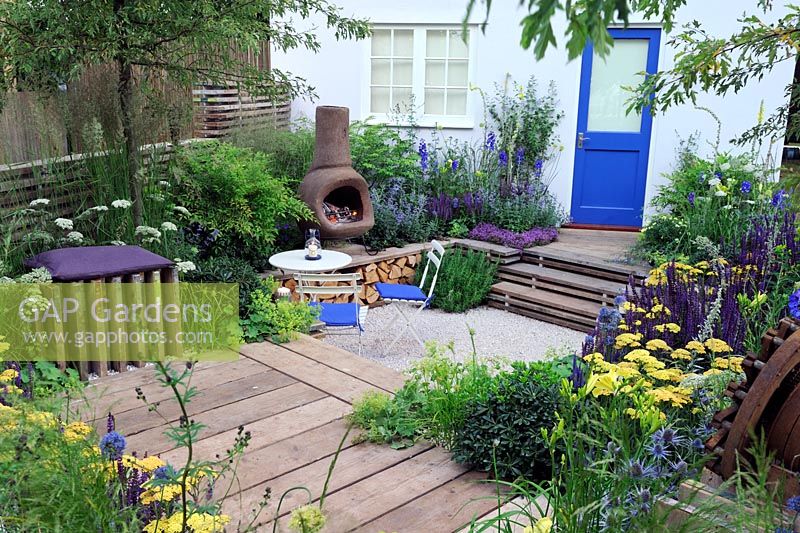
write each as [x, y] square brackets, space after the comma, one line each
[520, 155]
[503, 158]
[794, 304]
[691, 197]
[746, 187]
[619, 300]
[112, 445]
[423, 155]
[491, 140]
[454, 166]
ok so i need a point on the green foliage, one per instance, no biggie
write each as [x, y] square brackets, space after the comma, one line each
[522, 213]
[502, 433]
[465, 278]
[290, 151]
[279, 321]
[228, 270]
[388, 420]
[718, 198]
[231, 189]
[380, 153]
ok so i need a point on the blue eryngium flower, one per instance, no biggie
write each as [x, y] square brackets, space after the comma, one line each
[112, 445]
[746, 187]
[658, 450]
[794, 304]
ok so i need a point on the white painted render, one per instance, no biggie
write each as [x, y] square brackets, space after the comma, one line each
[340, 75]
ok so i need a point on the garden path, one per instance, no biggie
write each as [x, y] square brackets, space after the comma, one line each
[293, 399]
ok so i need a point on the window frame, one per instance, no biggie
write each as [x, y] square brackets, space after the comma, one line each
[419, 56]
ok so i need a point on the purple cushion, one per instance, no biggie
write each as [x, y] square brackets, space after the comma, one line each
[93, 262]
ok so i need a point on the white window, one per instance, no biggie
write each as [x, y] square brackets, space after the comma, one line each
[429, 66]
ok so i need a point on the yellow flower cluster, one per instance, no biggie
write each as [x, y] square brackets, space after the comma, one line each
[8, 375]
[628, 340]
[657, 345]
[543, 525]
[681, 355]
[718, 346]
[683, 271]
[76, 431]
[733, 363]
[675, 396]
[671, 327]
[196, 523]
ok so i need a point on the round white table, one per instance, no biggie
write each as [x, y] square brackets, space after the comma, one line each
[295, 261]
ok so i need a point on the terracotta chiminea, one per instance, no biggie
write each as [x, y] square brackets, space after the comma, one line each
[337, 195]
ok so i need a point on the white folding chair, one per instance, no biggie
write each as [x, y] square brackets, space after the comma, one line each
[337, 317]
[411, 295]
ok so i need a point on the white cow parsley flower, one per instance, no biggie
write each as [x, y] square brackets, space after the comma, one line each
[168, 226]
[185, 266]
[39, 201]
[121, 204]
[182, 210]
[63, 223]
[75, 237]
[118, 243]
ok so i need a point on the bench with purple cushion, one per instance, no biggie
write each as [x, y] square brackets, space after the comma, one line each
[105, 264]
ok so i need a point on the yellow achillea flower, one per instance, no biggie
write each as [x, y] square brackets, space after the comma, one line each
[668, 374]
[76, 431]
[593, 358]
[675, 396]
[150, 463]
[672, 327]
[681, 355]
[9, 375]
[627, 340]
[629, 306]
[627, 371]
[196, 523]
[656, 278]
[658, 310]
[657, 345]
[161, 493]
[718, 346]
[623, 327]
[712, 372]
[307, 519]
[729, 363]
[696, 346]
[647, 361]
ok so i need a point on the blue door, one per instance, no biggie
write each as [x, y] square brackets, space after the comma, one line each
[613, 146]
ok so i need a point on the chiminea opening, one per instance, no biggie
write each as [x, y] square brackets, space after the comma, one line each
[337, 195]
[343, 206]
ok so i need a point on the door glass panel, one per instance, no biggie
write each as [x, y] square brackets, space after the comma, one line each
[458, 48]
[402, 72]
[436, 43]
[403, 43]
[607, 99]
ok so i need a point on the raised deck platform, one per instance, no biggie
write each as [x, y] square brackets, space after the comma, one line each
[293, 399]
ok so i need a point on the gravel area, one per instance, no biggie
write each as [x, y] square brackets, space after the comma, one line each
[497, 333]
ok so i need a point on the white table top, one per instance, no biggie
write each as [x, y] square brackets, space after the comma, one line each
[295, 261]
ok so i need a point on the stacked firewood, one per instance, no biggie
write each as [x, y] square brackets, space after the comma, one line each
[397, 270]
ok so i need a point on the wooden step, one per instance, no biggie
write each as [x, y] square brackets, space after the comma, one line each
[502, 254]
[543, 317]
[549, 306]
[569, 283]
[576, 263]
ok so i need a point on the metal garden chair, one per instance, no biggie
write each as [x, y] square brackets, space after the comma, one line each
[337, 317]
[412, 296]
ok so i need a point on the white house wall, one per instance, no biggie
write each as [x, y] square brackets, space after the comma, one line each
[339, 73]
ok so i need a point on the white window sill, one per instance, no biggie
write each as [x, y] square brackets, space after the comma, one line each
[453, 123]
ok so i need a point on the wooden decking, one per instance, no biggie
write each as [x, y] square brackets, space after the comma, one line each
[293, 399]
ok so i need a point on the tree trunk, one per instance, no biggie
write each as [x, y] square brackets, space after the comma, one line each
[125, 93]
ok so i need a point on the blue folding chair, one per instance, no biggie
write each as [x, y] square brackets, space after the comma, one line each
[411, 295]
[339, 318]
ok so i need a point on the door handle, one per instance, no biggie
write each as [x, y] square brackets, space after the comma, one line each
[581, 139]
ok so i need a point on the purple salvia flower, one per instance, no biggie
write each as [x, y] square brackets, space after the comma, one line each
[691, 198]
[110, 423]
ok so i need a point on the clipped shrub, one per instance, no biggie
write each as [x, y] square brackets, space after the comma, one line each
[233, 190]
[465, 278]
[502, 431]
[228, 270]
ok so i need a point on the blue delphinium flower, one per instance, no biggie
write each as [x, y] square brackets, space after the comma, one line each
[793, 504]
[746, 187]
[520, 155]
[577, 377]
[454, 166]
[491, 140]
[794, 304]
[779, 199]
[718, 175]
[423, 155]
[503, 158]
[691, 197]
[112, 445]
